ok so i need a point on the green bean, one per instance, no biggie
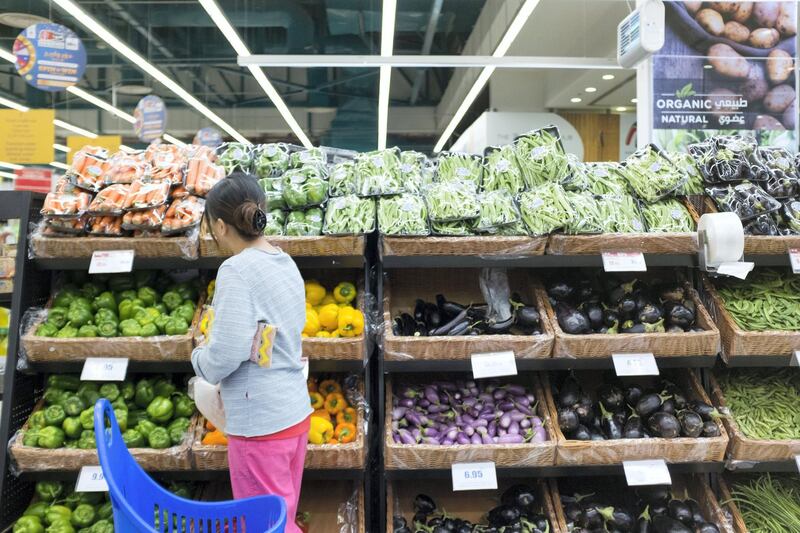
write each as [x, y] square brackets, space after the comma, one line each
[455, 228]
[651, 175]
[454, 167]
[668, 215]
[541, 157]
[620, 214]
[588, 217]
[763, 402]
[497, 210]
[405, 214]
[452, 200]
[768, 300]
[545, 209]
[769, 503]
[501, 171]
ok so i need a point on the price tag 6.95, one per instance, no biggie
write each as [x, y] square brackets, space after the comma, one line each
[624, 262]
[794, 259]
[493, 364]
[104, 369]
[650, 472]
[91, 479]
[635, 364]
[474, 476]
[111, 262]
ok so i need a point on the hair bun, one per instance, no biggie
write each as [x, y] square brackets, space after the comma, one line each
[259, 220]
[250, 219]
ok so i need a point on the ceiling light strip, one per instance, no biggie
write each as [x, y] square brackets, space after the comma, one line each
[505, 43]
[388, 16]
[13, 105]
[58, 164]
[177, 142]
[126, 148]
[8, 175]
[8, 56]
[102, 104]
[74, 10]
[74, 129]
[12, 166]
[62, 148]
[230, 33]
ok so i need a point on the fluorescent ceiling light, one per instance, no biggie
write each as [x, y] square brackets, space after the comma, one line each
[74, 10]
[591, 89]
[13, 105]
[126, 148]
[8, 175]
[505, 43]
[621, 109]
[169, 138]
[60, 165]
[634, 100]
[230, 33]
[62, 148]
[12, 166]
[75, 129]
[608, 77]
[102, 104]
[8, 56]
[575, 100]
[385, 83]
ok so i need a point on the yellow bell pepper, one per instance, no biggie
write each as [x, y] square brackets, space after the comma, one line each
[312, 323]
[314, 292]
[323, 334]
[345, 292]
[329, 317]
[212, 285]
[317, 401]
[329, 299]
[351, 322]
[335, 334]
[321, 430]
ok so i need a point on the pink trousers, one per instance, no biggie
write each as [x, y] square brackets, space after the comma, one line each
[261, 467]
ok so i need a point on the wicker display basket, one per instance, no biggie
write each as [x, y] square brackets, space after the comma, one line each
[738, 342]
[678, 450]
[647, 243]
[318, 456]
[494, 245]
[659, 344]
[58, 247]
[743, 448]
[32, 459]
[160, 348]
[688, 486]
[351, 348]
[730, 509]
[458, 285]
[470, 505]
[759, 244]
[348, 245]
[430, 456]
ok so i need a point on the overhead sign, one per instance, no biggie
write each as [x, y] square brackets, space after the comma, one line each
[210, 137]
[151, 118]
[50, 56]
[76, 142]
[33, 179]
[26, 137]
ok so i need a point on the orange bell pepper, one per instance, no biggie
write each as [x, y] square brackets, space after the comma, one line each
[215, 438]
[329, 386]
[209, 425]
[345, 433]
[322, 413]
[335, 402]
[317, 401]
[347, 415]
[311, 383]
[332, 441]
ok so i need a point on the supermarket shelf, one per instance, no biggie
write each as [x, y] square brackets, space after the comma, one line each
[157, 367]
[595, 363]
[771, 361]
[534, 261]
[209, 263]
[200, 475]
[557, 471]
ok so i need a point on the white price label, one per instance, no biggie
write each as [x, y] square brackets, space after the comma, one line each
[111, 262]
[795, 359]
[493, 364]
[104, 369]
[624, 262]
[635, 364]
[650, 472]
[794, 259]
[737, 269]
[91, 479]
[304, 360]
[474, 476]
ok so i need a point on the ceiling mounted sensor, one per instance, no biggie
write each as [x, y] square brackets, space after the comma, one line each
[134, 89]
[21, 20]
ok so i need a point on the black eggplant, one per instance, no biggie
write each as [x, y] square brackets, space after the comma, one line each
[398, 522]
[435, 521]
[676, 314]
[446, 328]
[560, 290]
[596, 435]
[521, 496]
[571, 320]
[403, 529]
[477, 312]
[420, 518]
[451, 309]
[569, 392]
[706, 412]
[397, 326]
[459, 329]
[630, 327]
[680, 511]
[672, 294]
[665, 524]
[499, 327]
[585, 410]
[697, 513]
[612, 429]
[610, 317]
[594, 313]
[572, 510]
[664, 425]
[648, 404]
[627, 305]
[633, 428]
[567, 419]
[424, 504]
[582, 433]
[408, 324]
[706, 527]
[653, 495]
[617, 517]
[419, 311]
[420, 330]
[611, 397]
[440, 529]
[527, 317]
[633, 394]
[710, 429]
[669, 406]
[650, 313]
[433, 318]
[691, 424]
[659, 508]
[591, 517]
[503, 515]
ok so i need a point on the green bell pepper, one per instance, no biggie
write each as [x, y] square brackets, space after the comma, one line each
[104, 300]
[121, 283]
[146, 316]
[159, 438]
[130, 328]
[31, 438]
[122, 418]
[147, 295]
[79, 302]
[125, 309]
[107, 329]
[28, 524]
[90, 397]
[119, 403]
[72, 427]
[187, 291]
[64, 382]
[105, 511]
[160, 410]
[183, 311]
[87, 418]
[37, 509]
[74, 405]
[72, 500]
[133, 439]
[106, 315]
[90, 290]
[144, 278]
[176, 435]
[176, 326]
[163, 386]
[78, 316]
[145, 427]
[54, 415]
[181, 422]
[57, 512]
[55, 396]
[57, 317]
[109, 391]
[184, 406]
[126, 295]
[149, 330]
[161, 323]
[92, 498]
[135, 416]
[144, 393]
[102, 526]
[49, 491]
[127, 390]
[161, 308]
[60, 526]
[84, 515]
[46, 330]
[67, 332]
[71, 443]
[87, 440]
[85, 386]
[63, 298]
[36, 420]
[190, 303]
[172, 299]
[87, 330]
[51, 437]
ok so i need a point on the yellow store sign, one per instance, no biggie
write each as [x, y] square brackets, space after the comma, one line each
[26, 137]
[76, 142]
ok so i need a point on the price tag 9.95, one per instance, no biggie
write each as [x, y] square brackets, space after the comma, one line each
[111, 262]
[635, 364]
[474, 476]
[650, 472]
[493, 364]
[91, 479]
[624, 262]
[104, 369]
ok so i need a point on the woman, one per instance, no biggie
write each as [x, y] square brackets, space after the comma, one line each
[267, 412]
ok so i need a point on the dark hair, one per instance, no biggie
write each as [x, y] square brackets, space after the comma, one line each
[239, 201]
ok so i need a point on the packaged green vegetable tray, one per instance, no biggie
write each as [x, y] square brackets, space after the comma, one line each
[668, 216]
[403, 215]
[453, 167]
[273, 192]
[545, 209]
[235, 157]
[305, 187]
[313, 156]
[304, 223]
[342, 179]
[270, 160]
[452, 200]
[501, 171]
[378, 173]
[349, 215]
[587, 217]
[276, 220]
[598, 178]
[453, 228]
[498, 210]
[747, 200]
[541, 157]
[416, 170]
[651, 175]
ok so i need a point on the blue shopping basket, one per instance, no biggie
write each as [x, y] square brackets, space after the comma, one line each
[141, 505]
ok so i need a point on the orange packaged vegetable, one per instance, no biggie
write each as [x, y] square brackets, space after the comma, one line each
[183, 214]
[110, 201]
[106, 226]
[66, 204]
[146, 195]
[149, 219]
